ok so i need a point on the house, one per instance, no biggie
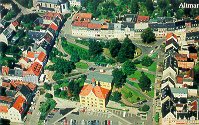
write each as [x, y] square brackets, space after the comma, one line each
[170, 68]
[94, 96]
[142, 19]
[101, 79]
[58, 6]
[82, 17]
[192, 35]
[48, 17]
[130, 18]
[179, 92]
[75, 3]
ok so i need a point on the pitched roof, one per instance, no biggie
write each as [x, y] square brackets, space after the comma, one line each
[6, 99]
[30, 54]
[53, 26]
[42, 56]
[5, 70]
[80, 24]
[51, 15]
[194, 105]
[86, 17]
[169, 35]
[48, 37]
[142, 18]
[99, 92]
[18, 104]
[179, 90]
[100, 77]
[186, 65]
[181, 57]
[193, 55]
[4, 109]
[179, 79]
[94, 26]
[15, 23]
[36, 68]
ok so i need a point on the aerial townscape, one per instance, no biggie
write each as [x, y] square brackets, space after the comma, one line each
[99, 62]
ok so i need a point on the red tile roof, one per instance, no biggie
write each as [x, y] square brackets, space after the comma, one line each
[5, 70]
[35, 68]
[80, 24]
[186, 65]
[85, 17]
[42, 57]
[53, 26]
[4, 109]
[15, 23]
[48, 37]
[169, 35]
[51, 15]
[99, 92]
[18, 104]
[194, 105]
[5, 98]
[15, 83]
[179, 79]
[142, 18]
[30, 54]
[94, 26]
[181, 57]
[6, 84]
[193, 55]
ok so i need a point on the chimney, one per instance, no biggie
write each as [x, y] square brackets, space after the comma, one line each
[93, 82]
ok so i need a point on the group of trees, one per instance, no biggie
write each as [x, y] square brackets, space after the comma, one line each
[122, 51]
[144, 82]
[116, 96]
[46, 107]
[119, 78]
[26, 3]
[148, 36]
[146, 61]
[13, 12]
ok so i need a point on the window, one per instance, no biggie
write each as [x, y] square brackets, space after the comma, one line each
[63, 6]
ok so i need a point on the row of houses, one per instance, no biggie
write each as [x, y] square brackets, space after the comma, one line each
[58, 6]
[18, 85]
[179, 93]
[15, 99]
[132, 25]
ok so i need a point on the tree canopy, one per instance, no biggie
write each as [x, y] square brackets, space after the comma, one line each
[144, 82]
[148, 36]
[95, 48]
[116, 96]
[114, 47]
[146, 61]
[119, 78]
[128, 67]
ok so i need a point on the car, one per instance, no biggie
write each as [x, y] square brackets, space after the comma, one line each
[156, 47]
[91, 68]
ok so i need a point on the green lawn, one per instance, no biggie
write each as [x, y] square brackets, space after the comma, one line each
[81, 65]
[125, 91]
[152, 67]
[137, 75]
[134, 84]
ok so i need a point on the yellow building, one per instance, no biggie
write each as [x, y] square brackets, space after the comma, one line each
[94, 96]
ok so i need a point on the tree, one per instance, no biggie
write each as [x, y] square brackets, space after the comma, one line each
[179, 13]
[57, 92]
[75, 57]
[63, 66]
[57, 76]
[129, 94]
[129, 48]
[148, 36]
[128, 67]
[119, 78]
[116, 96]
[121, 55]
[144, 82]
[145, 108]
[196, 73]
[134, 6]
[48, 95]
[95, 48]
[149, 6]
[3, 47]
[63, 94]
[146, 61]
[47, 86]
[114, 47]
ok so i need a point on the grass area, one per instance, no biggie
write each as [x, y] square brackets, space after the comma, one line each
[107, 53]
[152, 67]
[134, 84]
[133, 96]
[81, 65]
[138, 51]
[154, 55]
[137, 75]
[151, 93]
